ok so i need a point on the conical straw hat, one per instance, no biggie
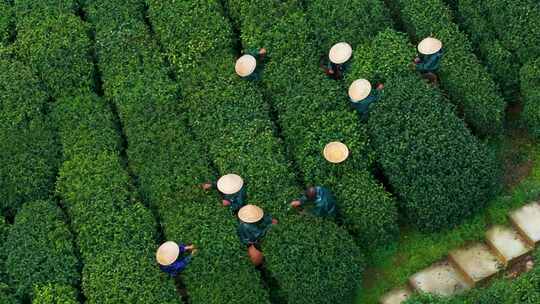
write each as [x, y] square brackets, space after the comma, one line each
[250, 214]
[429, 46]
[340, 53]
[245, 65]
[336, 152]
[359, 89]
[230, 183]
[167, 253]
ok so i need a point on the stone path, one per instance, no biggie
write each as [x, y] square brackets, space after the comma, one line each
[473, 264]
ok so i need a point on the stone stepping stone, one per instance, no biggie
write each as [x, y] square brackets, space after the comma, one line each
[477, 263]
[396, 296]
[527, 222]
[507, 244]
[440, 279]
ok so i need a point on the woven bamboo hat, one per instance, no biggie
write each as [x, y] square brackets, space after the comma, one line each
[167, 253]
[336, 152]
[245, 65]
[250, 214]
[359, 89]
[340, 53]
[429, 46]
[230, 183]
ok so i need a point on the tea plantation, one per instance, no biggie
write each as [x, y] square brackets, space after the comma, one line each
[113, 114]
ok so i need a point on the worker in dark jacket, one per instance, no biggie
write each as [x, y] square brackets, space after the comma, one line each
[319, 201]
[231, 186]
[249, 66]
[362, 97]
[428, 62]
[172, 259]
[338, 57]
[253, 224]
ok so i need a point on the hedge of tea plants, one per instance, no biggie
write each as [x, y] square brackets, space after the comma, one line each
[167, 161]
[438, 170]
[311, 112]
[468, 83]
[353, 21]
[5, 21]
[30, 258]
[28, 149]
[94, 186]
[473, 16]
[231, 117]
[55, 294]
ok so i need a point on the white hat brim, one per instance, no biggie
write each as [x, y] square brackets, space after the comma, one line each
[359, 89]
[429, 46]
[336, 152]
[250, 214]
[167, 253]
[245, 65]
[340, 53]
[230, 183]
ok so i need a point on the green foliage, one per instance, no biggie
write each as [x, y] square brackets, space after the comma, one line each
[473, 16]
[55, 294]
[466, 80]
[352, 21]
[57, 48]
[5, 21]
[245, 143]
[518, 25]
[39, 249]
[29, 152]
[438, 170]
[312, 111]
[6, 297]
[136, 80]
[530, 90]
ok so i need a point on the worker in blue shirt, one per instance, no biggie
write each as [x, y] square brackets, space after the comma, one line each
[429, 60]
[338, 58]
[172, 259]
[249, 66]
[231, 186]
[318, 200]
[362, 97]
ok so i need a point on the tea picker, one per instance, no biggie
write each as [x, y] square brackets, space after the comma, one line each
[249, 66]
[252, 227]
[318, 200]
[362, 97]
[338, 56]
[172, 259]
[429, 60]
[231, 186]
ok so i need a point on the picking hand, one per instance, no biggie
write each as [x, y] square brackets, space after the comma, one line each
[274, 222]
[206, 186]
[226, 203]
[295, 204]
[380, 86]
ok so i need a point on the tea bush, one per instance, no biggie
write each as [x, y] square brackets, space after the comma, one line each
[466, 80]
[55, 294]
[31, 259]
[438, 170]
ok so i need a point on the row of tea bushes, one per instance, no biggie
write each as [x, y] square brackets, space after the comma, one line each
[438, 170]
[31, 258]
[462, 75]
[115, 234]
[55, 294]
[303, 254]
[312, 112]
[28, 150]
[167, 161]
[5, 21]
[474, 19]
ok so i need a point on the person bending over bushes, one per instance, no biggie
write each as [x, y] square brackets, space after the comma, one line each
[428, 62]
[231, 186]
[252, 227]
[318, 201]
[250, 65]
[171, 259]
[336, 64]
[362, 97]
